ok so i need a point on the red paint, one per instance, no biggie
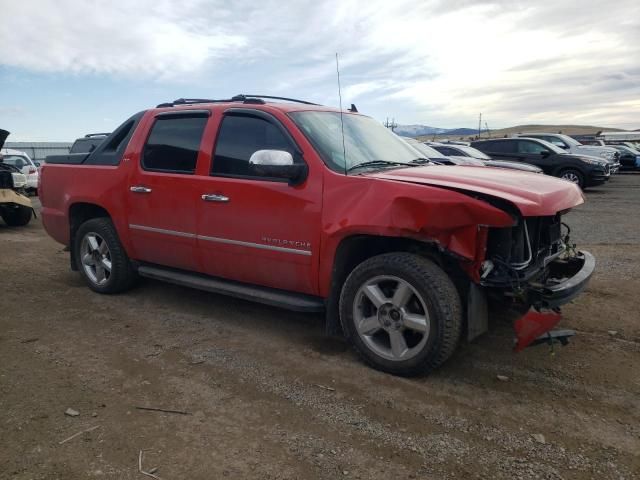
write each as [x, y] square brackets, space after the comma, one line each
[532, 325]
[424, 203]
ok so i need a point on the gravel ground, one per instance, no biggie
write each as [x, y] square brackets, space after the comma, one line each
[268, 396]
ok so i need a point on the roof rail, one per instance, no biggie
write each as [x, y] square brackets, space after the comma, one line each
[255, 99]
[89, 135]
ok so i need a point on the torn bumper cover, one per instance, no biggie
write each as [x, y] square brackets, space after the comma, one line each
[537, 324]
[566, 279]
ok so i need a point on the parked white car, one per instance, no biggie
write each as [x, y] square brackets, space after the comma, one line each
[23, 162]
[571, 145]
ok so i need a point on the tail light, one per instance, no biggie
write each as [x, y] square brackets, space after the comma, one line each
[32, 170]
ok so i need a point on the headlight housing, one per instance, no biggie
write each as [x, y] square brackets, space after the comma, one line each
[593, 161]
[607, 155]
[19, 180]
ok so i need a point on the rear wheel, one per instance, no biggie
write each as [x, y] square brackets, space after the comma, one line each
[574, 176]
[402, 313]
[18, 216]
[103, 262]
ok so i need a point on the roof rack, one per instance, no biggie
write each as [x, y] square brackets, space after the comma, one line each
[89, 135]
[254, 99]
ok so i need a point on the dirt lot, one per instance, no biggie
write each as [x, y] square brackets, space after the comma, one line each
[269, 397]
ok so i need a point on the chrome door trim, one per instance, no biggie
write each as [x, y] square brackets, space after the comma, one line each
[227, 241]
[162, 230]
[254, 245]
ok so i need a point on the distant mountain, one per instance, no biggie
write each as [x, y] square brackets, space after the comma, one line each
[462, 131]
[423, 130]
[417, 130]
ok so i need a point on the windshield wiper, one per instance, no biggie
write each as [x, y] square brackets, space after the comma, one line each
[375, 163]
[420, 161]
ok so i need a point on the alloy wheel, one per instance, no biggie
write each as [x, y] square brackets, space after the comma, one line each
[391, 318]
[572, 177]
[96, 258]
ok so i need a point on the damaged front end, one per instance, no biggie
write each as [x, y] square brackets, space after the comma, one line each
[534, 264]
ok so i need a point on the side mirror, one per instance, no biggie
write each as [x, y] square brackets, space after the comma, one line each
[545, 153]
[566, 147]
[277, 164]
[37, 164]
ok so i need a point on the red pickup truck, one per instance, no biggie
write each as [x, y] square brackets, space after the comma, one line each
[315, 209]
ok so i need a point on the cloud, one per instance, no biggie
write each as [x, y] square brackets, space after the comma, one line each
[146, 37]
[438, 62]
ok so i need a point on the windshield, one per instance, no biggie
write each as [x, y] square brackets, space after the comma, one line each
[425, 150]
[551, 146]
[16, 161]
[365, 140]
[570, 141]
[473, 152]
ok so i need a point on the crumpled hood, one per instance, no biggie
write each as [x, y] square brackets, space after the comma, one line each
[3, 136]
[532, 194]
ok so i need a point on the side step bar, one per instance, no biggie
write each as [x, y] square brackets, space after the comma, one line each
[278, 298]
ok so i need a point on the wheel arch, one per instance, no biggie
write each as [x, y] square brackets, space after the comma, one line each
[80, 212]
[355, 249]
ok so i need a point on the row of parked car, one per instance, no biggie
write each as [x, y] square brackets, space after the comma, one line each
[549, 153]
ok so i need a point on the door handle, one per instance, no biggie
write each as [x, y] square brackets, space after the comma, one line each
[212, 197]
[140, 189]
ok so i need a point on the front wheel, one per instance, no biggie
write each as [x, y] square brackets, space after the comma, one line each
[103, 262]
[574, 176]
[402, 313]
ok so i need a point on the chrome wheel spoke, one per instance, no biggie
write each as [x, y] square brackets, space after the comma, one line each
[375, 295]
[369, 325]
[402, 295]
[398, 343]
[106, 263]
[100, 273]
[92, 241]
[413, 321]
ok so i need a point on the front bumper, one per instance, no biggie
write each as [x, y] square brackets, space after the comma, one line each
[567, 278]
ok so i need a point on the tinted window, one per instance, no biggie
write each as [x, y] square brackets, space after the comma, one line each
[502, 146]
[86, 145]
[526, 146]
[448, 151]
[240, 137]
[173, 144]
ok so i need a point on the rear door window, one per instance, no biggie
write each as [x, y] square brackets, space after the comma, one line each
[502, 146]
[174, 143]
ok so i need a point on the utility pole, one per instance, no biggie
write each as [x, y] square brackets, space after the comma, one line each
[391, 125]
[480, 125]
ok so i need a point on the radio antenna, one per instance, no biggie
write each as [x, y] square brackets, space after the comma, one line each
[344, 149]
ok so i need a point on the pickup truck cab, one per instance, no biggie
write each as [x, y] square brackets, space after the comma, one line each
[270, 201]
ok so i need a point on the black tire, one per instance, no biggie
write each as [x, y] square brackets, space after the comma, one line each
[572, 172]
[122, 275]
[17, 217]
[438, 293]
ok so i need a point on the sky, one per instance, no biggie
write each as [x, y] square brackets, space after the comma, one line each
[71, 67]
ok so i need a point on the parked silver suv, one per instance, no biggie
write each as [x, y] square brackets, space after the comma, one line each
[571, 145]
